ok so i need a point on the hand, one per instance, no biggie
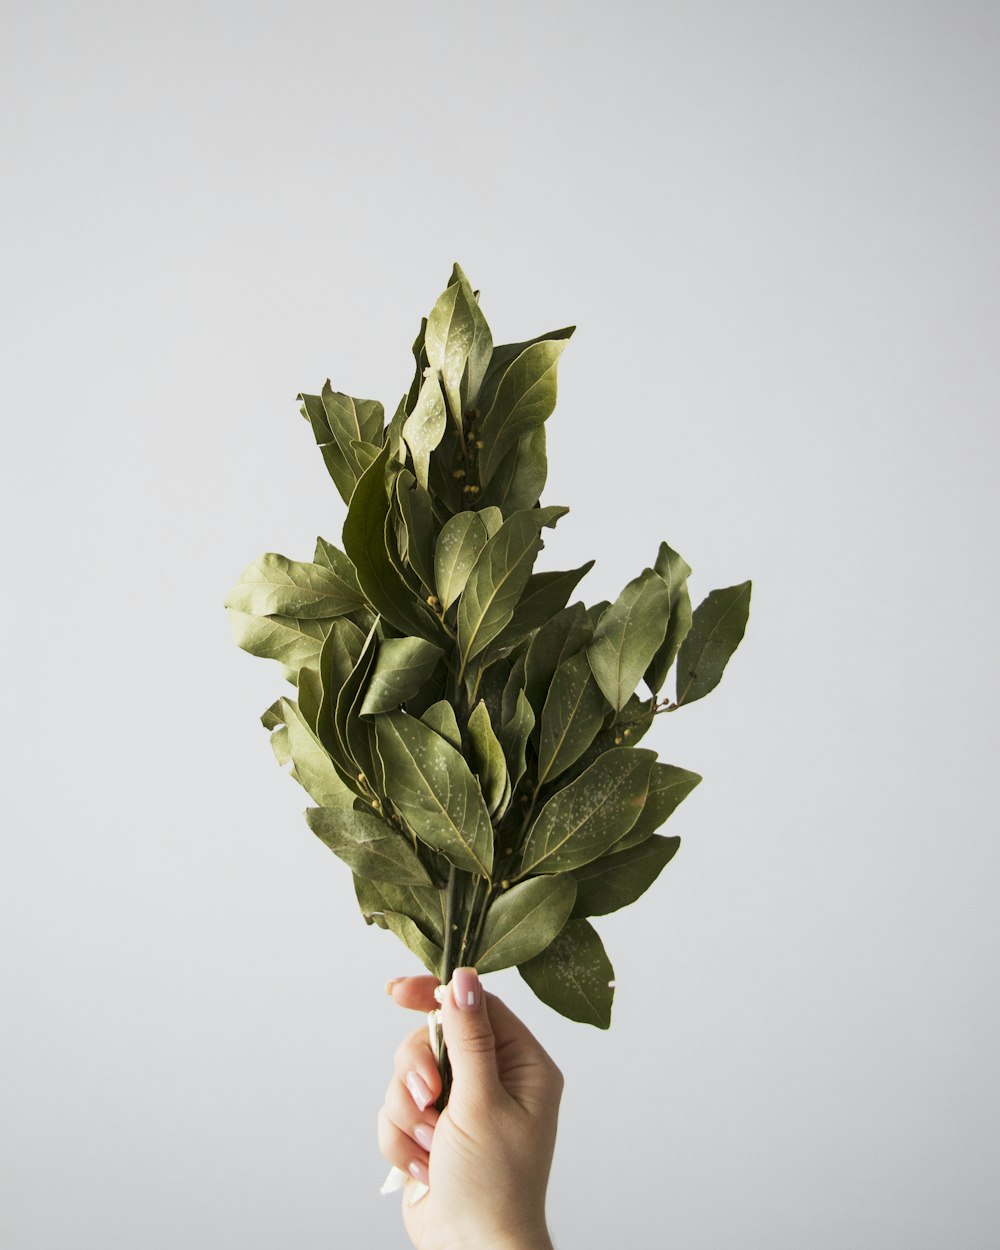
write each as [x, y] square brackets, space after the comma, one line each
[488, 1164]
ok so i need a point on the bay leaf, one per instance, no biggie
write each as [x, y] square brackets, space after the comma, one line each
[523, 920]
[441, 718]
[614, 881]
[514, 735]
[409, 933]
[519, 479]
[487, 760]
[504, 354]
[573, 975]
[585, 818]
[273, 585]
[365, 544]
[423, 428]
[498, 579]
[669, 786]
[525, 397]
[628, 635]
[674, 572]
[717, 627]
[432, 787]
[401, 668]
[425, 905]
[370, 846]
[573, 714]
[457, 338]
[313, 768]
[417, 513]
[292, 641]
[459, 544]
[420, 362]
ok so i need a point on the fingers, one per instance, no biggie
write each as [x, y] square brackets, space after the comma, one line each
[416, 1068]
[400, 1149]
[407, 1118]
[470, 1039]
[417, 993]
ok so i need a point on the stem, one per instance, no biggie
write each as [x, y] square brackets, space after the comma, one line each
[444, 1066]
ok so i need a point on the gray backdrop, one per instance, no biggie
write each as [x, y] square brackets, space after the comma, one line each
[775, 227]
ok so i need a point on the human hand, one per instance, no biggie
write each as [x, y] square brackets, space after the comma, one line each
[488, 1165]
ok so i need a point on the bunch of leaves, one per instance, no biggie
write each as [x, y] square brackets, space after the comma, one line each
[470, 737]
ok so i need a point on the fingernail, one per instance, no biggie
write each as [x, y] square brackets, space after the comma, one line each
[419, 1172]
[419, 1091]
[390, 983]
[423, 1135]
[465, 987]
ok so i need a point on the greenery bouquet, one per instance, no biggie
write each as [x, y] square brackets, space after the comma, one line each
[469, 737]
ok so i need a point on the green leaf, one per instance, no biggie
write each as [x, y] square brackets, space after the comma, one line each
[273, 716]
[457, 339]
[292, 641]
[408, 932]
[459, 544]
[560, 637]
[401, 668]
[372, 847]
[628, 635]
[669, 786]
[352, 421]
[364, 541]
[341, 652]
[499, 578]
[545, 595]
[312, 767]
[337, 562]
[717, 627]
[420, 360]
[519, 479]
[613, 881]
[487, 759]
[394, 433]
[441, 718]
[423, 904]
[424, 427]
[574, 976]
[513, 686]
[584, 819]
[273, 585]
[279, 745]
[573, 714]
[674, 572]
[417, 513]
[525, 397]
[434, 791]
[514, 735]
[504, 354]
[355, 734]
[523, 920]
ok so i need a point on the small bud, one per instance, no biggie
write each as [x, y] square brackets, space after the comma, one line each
[471, 489]
[504, 885]
[480, 444]
[458, 473]
[508, 850]
[434, 601]
[361, 779]
[618, 739]
[627, 732]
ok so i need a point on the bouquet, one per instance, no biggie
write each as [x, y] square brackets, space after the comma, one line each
[470, 737]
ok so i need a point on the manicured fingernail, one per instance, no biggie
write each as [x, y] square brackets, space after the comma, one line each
[423, 1135]
[389, 984]
[419, 1172]
[465, 987]
[419, 1092]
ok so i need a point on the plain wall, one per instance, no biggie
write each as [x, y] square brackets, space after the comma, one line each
[775, 226]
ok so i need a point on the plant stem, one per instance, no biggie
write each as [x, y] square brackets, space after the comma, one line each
[444, 1066]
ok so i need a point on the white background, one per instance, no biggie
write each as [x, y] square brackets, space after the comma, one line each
[774, 225]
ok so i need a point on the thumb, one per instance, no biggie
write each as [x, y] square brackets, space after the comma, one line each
[469, 1037]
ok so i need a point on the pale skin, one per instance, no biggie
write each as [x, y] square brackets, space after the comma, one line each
[487, 1156]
